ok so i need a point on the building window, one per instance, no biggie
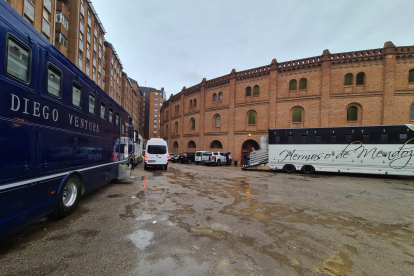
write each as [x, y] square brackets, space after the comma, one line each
[60, 38]
[61, 18]
[80, 62]
[176, 127]
[220, 96]
[303, 83]
[175, 145]
[412, 112]
[214, 97]
[297, 115]
[192, 123]
[252, 118]
[54, 81]
[352, 113]
[76, 94]
[348, 79]
[191, 104]
[256, 90]
[46, 27]
[411, 76]
[293, 85]
[48, 5]
[360, 78]
[248, 91]
[91, 104]
[18, 60]
[103, 111]
[217, 121]
[29, 9]
[195, 103]
[191, 144]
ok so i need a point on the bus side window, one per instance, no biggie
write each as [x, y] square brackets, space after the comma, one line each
[365, 138]
[384, 138]
[333, 138]
[349, 138]
[76, 94]
[54, 81]
[117, 119]
[403, 137]
[290, 139]
[91, 104]
[18, 59]
[110, 115]
[318, 138]
[103, 110]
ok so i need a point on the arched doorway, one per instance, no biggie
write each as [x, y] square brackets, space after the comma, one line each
[247, 147]
[175, 147]
[216, 144]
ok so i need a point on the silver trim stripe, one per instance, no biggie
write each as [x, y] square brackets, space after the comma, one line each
[3, 187]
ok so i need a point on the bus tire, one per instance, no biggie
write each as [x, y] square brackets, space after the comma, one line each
[308, 169]
[68, 197]
[289, 168]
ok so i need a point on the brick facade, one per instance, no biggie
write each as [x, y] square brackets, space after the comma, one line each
[379, 89]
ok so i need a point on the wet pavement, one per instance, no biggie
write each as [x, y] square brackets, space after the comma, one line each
[197, 220]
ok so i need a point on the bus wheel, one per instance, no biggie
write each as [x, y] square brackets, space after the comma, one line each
[308, 169]
[289, 168]
[68, 197]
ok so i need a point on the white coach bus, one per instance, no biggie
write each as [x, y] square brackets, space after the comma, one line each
[358, 149]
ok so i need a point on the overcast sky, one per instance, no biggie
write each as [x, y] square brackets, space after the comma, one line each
[172, 44]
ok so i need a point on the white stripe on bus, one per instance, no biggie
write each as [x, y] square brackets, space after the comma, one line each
[3, 187]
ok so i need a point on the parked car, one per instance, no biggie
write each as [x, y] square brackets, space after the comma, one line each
[198, 156]
[187, 157]
[174, 158]
[216, 158]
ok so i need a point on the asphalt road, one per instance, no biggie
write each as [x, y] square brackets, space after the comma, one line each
[199, 220]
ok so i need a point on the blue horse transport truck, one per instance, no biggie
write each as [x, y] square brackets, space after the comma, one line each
[61, 135]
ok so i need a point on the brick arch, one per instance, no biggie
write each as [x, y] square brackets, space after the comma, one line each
[294, 115]
[248, 116]
[359, 110]
[216, 144]
[191, 144]
[247, 147]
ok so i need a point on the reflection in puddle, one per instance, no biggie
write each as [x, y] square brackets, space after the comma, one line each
[141, 238]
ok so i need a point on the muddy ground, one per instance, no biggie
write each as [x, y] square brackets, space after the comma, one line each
[198, 220]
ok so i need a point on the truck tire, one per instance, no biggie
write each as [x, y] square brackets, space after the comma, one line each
[218, 163]
[289, 168]
[68, 197]
[308, 169]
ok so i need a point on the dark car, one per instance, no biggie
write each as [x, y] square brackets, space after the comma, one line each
[174, 158]
[187, 157]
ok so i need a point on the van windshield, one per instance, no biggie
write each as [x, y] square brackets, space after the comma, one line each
[157, 149]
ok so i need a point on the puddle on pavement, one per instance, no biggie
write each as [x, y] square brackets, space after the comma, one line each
[351, 249]
[145, 216]
[141, 238]
[218, 235]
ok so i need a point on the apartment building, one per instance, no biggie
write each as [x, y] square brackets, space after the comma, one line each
[153, 100]
[113, 77]
[137, 106]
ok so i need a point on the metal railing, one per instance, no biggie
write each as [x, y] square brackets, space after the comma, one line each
[259, 157]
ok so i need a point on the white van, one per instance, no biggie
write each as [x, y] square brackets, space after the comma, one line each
[198, 156]
[156, 153]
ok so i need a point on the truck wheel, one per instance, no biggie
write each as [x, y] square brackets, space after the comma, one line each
[219, 162]
[308, 169]
[68, 197]
[288, 168]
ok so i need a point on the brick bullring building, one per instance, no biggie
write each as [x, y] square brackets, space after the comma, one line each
[232, 112]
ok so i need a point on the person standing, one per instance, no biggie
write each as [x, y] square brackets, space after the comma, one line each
[227, 160]
[244, 159]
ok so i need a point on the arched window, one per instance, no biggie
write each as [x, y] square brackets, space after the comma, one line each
[412, 112]
[360, 78]
[349, 78]
[256, 90]
[352, 113]
[216, 144]
[220, 96]
[297, 115]
[217, 121]
[303, 83]
[191, 103]
[411, 76]
[175, 145]
[214, 97]
[252, 118]
[192, 123]
[293, 85]
[248, 91]
[176, 127]
[191, 144]
[195, 103]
